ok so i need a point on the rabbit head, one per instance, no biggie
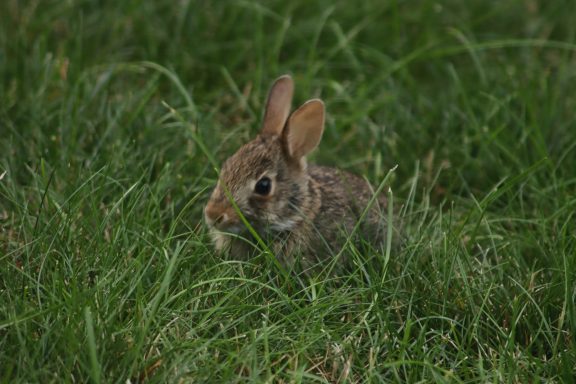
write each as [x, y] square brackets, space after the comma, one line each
[267, 178]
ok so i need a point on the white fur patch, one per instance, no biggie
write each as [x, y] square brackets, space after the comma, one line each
[236, 229]
[281, 227]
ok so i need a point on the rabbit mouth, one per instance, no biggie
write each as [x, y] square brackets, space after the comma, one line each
[238, 228]
[227, 227]
[262, 227]
[232, 227]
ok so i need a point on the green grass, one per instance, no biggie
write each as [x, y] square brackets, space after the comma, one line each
[106, 272]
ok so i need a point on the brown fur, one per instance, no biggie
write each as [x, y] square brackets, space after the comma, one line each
[308, 208]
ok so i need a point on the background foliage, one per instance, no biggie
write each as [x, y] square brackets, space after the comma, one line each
[106, 274]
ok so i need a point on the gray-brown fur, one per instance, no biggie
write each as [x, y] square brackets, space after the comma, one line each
[307, 208]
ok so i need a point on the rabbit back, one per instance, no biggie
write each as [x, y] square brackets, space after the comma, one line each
[343, 199]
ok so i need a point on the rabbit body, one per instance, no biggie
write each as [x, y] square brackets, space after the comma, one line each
[301, 211]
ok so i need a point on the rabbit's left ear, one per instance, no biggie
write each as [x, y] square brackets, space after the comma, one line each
[303, 129]
[278, 106]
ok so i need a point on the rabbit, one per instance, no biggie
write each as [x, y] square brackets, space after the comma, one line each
[301, 210]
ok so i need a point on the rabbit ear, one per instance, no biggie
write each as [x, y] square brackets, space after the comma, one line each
[278, 106]
[304, 128]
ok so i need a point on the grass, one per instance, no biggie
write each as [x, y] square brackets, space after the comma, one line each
[111, 114]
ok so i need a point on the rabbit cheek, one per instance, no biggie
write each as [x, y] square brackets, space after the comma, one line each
[260, 204]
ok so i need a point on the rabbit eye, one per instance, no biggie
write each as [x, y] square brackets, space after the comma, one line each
[263, 186]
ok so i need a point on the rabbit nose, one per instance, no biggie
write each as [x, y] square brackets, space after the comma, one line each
[216, 215]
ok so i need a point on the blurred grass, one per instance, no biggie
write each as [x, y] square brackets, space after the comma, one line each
[106, 272]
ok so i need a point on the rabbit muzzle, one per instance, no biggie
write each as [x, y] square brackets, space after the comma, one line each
[220, 217]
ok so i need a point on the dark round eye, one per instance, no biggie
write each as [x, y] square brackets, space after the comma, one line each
[263, 186]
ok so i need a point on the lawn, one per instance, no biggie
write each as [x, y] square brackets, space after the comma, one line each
[113, 114]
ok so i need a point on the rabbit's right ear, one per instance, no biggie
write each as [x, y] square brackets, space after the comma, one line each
[304, 129]
[278, 106]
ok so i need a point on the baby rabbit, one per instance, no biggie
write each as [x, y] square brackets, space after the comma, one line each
[302, 211]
